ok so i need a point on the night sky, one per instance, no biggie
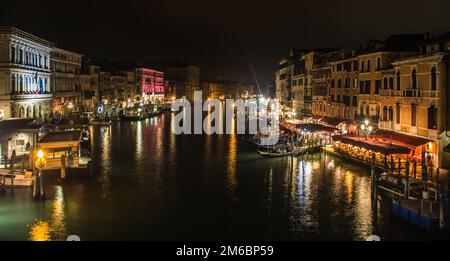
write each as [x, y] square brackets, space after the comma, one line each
[220, 37]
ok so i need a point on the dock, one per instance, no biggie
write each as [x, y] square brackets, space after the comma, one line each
[422, 213]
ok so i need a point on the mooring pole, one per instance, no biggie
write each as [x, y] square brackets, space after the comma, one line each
[374, 183]
[406, 180]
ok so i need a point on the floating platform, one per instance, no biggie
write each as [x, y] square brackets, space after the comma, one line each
[422, 213]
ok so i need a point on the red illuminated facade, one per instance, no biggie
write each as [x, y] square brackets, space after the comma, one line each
[150, 82]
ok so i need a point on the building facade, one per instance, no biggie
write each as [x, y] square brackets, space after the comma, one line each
[25, 86]
[66, 81]
[150, 85]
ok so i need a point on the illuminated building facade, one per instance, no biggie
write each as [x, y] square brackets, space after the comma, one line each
[343, 100]
[90, 86]
[150, 84]
[321, 82]
[66, 70]
[25, 76]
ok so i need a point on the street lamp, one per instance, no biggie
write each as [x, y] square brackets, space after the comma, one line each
[40, 162]
[366, 128]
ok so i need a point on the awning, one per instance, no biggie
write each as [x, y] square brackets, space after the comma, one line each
[331, 121]
[411, 141]
[383, 148]
[311, 127]
[8, 127]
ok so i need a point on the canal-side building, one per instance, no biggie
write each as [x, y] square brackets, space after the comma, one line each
[297, 86]
[344, 85]
[375, 70]
[150, 85]
[417, 105]
[90, 86]
[321, 83]
[66, 86]
[25, 76]
[283, 78]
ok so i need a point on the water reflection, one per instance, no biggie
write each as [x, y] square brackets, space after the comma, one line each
[149, 184]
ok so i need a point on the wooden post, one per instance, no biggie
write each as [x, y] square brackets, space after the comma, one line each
[415, 169]
[63, 167]
[406, 192]
[374, 183]
[11, 167]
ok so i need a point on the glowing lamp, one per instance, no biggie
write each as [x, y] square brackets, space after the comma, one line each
[40, 154]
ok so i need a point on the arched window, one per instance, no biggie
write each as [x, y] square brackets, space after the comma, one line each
[397, 111]
[21, 112]
[414, 79]
[432, 117]
[391, 113]
[398, 81]
[391, 83]
[378, 112]
[332, 83]
[362, 66]
[385, 83]
[339, 83]
[361, 110]
[367, 110]
[433, 79]
[413, 115]
[368, 65]
[20, 84]
[385, 113]
[13, 54]
[13, 83]
[20, 56]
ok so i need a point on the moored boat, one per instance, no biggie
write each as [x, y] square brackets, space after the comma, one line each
[19, 180]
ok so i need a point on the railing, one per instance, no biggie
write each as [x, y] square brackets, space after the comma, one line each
[389, 93]
[386, 125]
[412, 93]
[430, 94]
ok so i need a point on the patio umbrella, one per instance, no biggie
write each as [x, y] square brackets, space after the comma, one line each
[424, 167]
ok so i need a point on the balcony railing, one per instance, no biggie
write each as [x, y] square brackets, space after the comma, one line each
[430, 94]
[412, 93]
[386, 125]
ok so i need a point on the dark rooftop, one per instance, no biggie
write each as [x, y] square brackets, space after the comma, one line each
[7, 127]
[61, 136]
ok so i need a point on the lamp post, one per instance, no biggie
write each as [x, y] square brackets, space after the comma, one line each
[366, 128]
[40, 163]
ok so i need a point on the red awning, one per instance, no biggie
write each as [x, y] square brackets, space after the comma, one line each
[412, 141]
[383, 148]
[331, 121]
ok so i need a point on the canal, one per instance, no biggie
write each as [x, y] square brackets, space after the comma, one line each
[149, 184]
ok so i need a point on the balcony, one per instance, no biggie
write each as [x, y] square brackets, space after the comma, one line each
[386, 125]
[412, 93]
[390, 93]
[430, 94]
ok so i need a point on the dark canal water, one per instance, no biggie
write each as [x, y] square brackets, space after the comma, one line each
[149, 184]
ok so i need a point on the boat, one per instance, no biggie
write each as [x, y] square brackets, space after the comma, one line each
[277, 151]
[258, 140]
[140, 111]
[20, 180]
[100, 122]
[393, 185]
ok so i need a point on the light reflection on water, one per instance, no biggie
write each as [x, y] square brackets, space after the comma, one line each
[151, 184]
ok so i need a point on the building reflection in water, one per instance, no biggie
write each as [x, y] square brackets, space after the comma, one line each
[56, 228]
[106, 163]
[232, 164]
